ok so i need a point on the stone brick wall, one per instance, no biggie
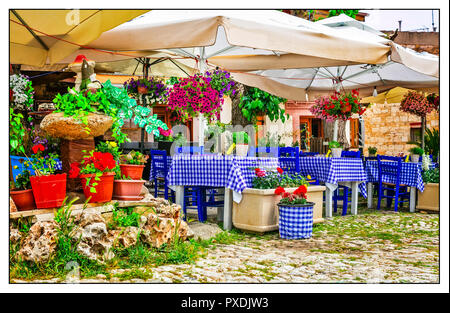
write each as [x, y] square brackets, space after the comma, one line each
[388, 129]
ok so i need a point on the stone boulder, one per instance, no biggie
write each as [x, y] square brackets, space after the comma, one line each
[40, 242]
[12, 206]
[204, 231]
[160, 230]
[14, 235]
[66, 127]
[125, 237]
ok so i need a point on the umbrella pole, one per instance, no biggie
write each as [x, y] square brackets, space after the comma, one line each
[423, 126]
[335, 130]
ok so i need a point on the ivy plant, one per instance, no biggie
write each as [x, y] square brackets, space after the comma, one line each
[16, 133]
[258, 102]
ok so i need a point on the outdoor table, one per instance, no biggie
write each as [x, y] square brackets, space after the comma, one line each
[411, 175]
[234, 173]
[347, 172]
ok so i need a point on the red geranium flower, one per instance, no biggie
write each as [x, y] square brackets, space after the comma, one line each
[37, 148]
[74, 170]
[300, 190]
[280, 191]
[280, 170]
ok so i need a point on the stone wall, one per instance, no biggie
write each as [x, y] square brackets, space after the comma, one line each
[388, 129]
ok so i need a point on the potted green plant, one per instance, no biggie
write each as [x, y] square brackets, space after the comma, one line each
[22, 194]
[127, 189]
[49, 189]
[96, 172]
[257, 211]
[132, 164]
[240, 139]
[416, 152]
[296, 214]
[429, 198]
[372, 151]
[336, 149]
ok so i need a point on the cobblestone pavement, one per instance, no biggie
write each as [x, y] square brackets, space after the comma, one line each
[370, 248]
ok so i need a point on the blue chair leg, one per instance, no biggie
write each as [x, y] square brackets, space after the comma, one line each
[344, 208]
[335, 196]
[396, 198]
[380, 195]
[199, 196]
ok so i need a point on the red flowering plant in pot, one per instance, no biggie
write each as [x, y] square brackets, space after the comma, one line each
[96, 172]
[49, 188]
[132, 164]
[295, 214]
[21, 192]
[338, 106]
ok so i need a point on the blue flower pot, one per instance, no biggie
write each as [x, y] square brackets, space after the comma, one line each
[295, 221]
[20, 164]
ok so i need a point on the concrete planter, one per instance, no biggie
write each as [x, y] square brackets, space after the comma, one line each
[429, 198]
[415, 158]
[336, 152]
[241, 149]
[258, 211]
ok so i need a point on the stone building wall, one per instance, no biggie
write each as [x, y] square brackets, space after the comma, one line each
[388, 129]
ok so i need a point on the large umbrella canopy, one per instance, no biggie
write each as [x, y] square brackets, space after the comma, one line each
[394, 95]
[240, 40]
[405, 67]
[38, 37]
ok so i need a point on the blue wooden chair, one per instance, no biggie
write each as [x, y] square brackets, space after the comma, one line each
[344, 193]
[389, 171]
[201, 197]
[289, 155]
[159, 174]
[305, 154]
[263, 151]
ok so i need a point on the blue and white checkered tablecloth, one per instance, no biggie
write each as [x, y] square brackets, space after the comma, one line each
[411, 174]
[234, 172]
[331, 170]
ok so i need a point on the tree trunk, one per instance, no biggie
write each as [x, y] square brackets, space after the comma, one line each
[236, 113]
[423, 126]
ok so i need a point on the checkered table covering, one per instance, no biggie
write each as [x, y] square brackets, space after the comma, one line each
[331, 170]
[411, 174]
[234, 172]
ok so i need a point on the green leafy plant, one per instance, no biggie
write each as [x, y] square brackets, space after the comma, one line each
[23, 181]
[44, 162]
[240, 138]
[431, 176]
[134, 157]
[372, 150]
[16, 133]
[416, 150]
[270, 179]
[432, 143]
[351, 13]
[110, 147]
[123, 218]
[257, 102]
[334, 144]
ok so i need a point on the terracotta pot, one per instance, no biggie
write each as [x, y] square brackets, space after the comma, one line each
[132, 171]
[104, 189]
[23, 199]
[258, 212]
[142, 90]
[128, 189]
[49, 191]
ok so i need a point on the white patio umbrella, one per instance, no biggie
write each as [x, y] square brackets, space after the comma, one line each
[241, 40]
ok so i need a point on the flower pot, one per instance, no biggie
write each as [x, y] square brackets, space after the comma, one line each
[241, 149]
[296, 220]
[372, 155]
[104, 189]
[49, 191]
[429, 199]
[131, 170]
[128, 190]
[258, 211]
[23, 199]
[415, 158]
[336, 152]
[142, 90]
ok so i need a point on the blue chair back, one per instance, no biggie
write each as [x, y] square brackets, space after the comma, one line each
[263, 151]
[289, 155]
[159, 162]
[191, 150]
[389, 169]
[305, 154]
[350, 154]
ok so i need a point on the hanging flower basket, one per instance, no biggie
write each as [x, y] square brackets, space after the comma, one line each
[416, 103]
[339, 106]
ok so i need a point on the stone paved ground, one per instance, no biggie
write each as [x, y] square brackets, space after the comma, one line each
[371, 247]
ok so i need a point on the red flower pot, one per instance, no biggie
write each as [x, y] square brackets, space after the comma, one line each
[23, 199]
[49, 191]
[128, 190]
[104, 189]
[132, 171]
